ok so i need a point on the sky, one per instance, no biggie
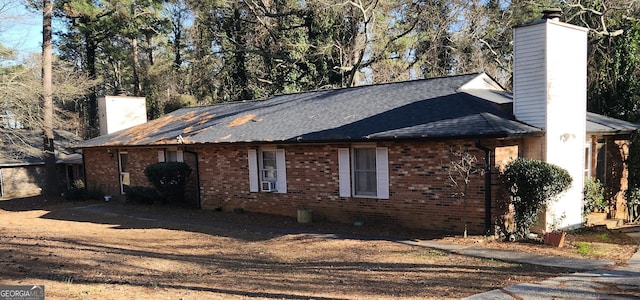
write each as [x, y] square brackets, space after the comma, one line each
[20, 29]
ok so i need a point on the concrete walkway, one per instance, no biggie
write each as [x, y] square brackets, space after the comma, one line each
[593, 283]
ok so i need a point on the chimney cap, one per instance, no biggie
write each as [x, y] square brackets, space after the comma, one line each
[120, 91]
[551, 13]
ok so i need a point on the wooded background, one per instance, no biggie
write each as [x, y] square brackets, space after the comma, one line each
[186, 52]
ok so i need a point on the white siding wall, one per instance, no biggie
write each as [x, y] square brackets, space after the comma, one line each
[550, 84]
[116, 113]
[529, 78]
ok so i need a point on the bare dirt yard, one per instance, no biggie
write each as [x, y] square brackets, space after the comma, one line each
[110, 250]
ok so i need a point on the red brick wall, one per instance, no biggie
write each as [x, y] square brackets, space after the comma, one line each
[503, 211]
[139, 159]
[102, 169]
[421, 193]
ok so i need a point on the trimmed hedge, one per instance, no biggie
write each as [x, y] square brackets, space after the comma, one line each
[142, 194]
[169, 178]
[82, 194]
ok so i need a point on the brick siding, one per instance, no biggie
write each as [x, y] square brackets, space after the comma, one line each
[103, 173]
[421, 193]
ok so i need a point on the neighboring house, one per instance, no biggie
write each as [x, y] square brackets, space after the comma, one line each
[22, 167]
[380, 153]
[607, 149]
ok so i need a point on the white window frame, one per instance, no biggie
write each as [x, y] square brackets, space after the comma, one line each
[355, 172]
[163, 155]
[264, 173]
[124, 176]
[346, 172]
[257, 179]
[588, 158]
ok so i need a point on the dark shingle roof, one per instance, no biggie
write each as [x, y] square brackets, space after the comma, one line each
[599, 124]
[24, 147]
[431, 108]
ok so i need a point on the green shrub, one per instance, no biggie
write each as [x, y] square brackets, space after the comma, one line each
[75, 194]
[593, 197]
[94, 194]
[82, 193]
[141, 194]
[632, 194]
[531, 185]
[633, 204]
[169, 178]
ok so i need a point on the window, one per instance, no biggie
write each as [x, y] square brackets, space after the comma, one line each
[267, 170]
[170, 155]
[587, 160]
[268, 166]
[364, 172]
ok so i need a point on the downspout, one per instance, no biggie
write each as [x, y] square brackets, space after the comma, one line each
[84, 170]
[487, 186]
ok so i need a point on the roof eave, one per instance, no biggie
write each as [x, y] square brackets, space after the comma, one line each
[21, 164]
[612, 132]
[334, 141]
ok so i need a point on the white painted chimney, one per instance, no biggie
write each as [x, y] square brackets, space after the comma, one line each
[116, 113]
[550, 92]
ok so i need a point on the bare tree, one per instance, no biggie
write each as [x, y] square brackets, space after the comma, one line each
[461, 171]
[21, 102]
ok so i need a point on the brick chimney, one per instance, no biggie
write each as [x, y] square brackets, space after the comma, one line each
[550, 92]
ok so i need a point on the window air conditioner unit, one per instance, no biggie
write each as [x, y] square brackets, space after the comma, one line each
[268, 186]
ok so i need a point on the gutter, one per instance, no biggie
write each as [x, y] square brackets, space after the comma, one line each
[21, 164]
[487, 186]
[300, 140]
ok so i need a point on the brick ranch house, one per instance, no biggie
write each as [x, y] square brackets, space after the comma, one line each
[380, 153]
[22, 169]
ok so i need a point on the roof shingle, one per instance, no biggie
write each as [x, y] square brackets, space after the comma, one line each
[429, 108]
[446, 107]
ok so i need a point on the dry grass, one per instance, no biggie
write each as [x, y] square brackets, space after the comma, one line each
[597, 243]
[165, 253]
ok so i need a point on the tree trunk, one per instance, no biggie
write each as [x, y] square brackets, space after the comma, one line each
[137, 88]
[47, 98]
[92, 105]
[240, 70]
[149, 49]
